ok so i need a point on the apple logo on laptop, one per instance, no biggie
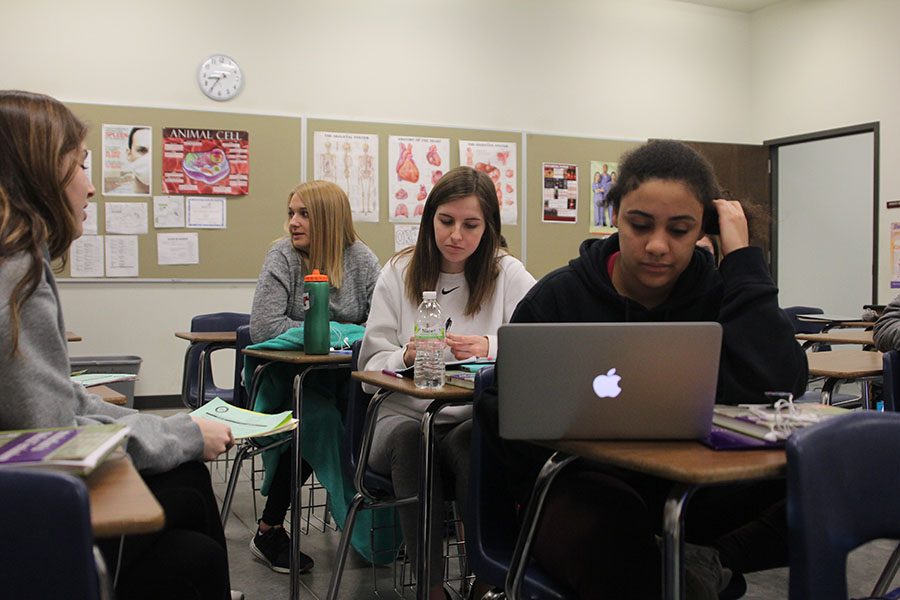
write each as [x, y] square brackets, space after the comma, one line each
[607, 386]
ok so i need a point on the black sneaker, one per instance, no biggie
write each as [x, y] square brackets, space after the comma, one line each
[274, 548]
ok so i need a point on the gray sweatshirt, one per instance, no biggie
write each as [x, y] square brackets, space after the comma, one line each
[887, 327]
[38, 391]
[278, 300]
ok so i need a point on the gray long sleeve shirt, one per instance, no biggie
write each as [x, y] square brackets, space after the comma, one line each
[887, 327]
[278, 300]
[38, 391]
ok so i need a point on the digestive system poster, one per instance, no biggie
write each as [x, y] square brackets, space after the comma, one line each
[350, 160]
[416, 164]
[498, 160]
[206, 161]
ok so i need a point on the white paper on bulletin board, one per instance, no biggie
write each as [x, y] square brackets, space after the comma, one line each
[350, 160]
[498, 160]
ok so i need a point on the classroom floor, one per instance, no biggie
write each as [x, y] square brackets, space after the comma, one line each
[361, 581]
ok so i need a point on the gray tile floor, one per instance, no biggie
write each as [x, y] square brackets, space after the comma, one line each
[360, 580]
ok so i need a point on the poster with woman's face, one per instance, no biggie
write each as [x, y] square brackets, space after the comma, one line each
[127, 160]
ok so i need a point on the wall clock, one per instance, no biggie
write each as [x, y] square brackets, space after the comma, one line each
[220, 77]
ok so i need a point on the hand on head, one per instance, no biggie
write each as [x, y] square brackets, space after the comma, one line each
[467, 346]
[217, 437]
[733, 231]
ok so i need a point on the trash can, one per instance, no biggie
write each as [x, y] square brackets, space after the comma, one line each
[110, 364]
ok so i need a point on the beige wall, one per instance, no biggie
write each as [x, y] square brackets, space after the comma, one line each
[824, 64]
[605, 68]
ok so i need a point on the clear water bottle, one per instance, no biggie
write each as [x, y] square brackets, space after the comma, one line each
[429, 335]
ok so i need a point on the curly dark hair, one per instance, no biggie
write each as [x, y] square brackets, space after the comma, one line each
[668, 160]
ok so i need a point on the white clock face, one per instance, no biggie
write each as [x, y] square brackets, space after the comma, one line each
[220, 77]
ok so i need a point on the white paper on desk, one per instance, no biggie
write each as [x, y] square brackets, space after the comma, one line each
[405, 235]
[168, 211]
[206, 212]
[121, 256]
[177, 248]
[86, 256]
[90, 222]
[126, 217]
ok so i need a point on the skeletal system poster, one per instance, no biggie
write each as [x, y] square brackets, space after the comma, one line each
[350, 160]
[498, 160]
[416, 164]
[206, 161]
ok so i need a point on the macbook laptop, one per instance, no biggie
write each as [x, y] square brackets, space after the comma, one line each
[607, 380]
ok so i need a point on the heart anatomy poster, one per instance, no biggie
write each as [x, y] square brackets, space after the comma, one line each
[350, 160]
[415, 164]
[205, 161]
[498, 160]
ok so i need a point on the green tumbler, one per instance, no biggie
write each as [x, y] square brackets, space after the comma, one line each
[316, 329]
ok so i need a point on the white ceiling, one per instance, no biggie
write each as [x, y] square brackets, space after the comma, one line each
[738, 5]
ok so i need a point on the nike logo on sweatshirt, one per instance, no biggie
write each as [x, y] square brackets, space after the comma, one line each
[445, 292]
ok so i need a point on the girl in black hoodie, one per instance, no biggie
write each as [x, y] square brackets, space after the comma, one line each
[597, 533]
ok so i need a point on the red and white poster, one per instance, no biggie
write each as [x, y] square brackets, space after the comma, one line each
[205, 161]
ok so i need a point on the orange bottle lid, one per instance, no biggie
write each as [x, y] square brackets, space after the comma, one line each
[316, 276]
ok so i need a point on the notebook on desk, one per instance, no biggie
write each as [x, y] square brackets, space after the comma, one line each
[607, 380]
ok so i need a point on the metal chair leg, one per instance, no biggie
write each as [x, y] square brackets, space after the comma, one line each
[232, 483]
[344, 547]
[887, 575]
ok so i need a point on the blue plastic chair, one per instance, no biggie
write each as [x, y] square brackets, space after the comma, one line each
[202, 352]
[373, 490]
[491, 527]
[843, 490]
[47, 548]
[891, 379]
[804, 326]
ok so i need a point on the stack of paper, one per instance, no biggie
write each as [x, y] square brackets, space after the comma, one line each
[246, 423]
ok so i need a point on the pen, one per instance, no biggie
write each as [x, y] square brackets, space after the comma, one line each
[392, 373]
[447, 325]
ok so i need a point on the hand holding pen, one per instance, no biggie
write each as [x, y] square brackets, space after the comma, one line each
[465, 346]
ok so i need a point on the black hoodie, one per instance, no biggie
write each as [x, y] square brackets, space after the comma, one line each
[759, 352]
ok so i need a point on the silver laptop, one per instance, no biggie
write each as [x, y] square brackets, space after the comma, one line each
[607, 380]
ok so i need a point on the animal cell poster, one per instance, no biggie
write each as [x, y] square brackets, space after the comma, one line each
[205, 161]
[560, 193]
[603, 176]
[127, 168]
[498, 160]
[350, 160]
[416, 164]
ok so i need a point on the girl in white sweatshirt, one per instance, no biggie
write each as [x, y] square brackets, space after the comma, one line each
[458, 254]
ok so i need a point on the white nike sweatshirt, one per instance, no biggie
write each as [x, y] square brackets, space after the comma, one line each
[392, 319]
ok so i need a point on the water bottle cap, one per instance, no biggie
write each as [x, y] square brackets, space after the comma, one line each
[429, 295]
[316, 276]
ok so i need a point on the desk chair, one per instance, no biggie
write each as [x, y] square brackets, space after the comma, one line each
[197, 385]
[804, 326]
[47, 548]
[835, 471]
[891, 378]
[373, 490]
[491, 528]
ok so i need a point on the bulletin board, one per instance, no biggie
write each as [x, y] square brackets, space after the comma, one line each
[553, 244]
[379, 236]
[253, 221]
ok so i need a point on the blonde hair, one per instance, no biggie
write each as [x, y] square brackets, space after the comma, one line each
[330, 227]
[40, 135]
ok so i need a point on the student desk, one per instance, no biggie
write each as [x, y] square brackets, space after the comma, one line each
[689, 465]
[108, 394]
[306, 363]
[121, 503]
[217, 340]
[835, 321]
[844, 365]
[864, 337]
[73, 337]
[442, 397]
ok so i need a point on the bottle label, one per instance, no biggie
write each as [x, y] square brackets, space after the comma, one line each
[306, 303]
[426, 335]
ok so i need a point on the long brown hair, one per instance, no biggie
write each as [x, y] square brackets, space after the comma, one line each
[483, 266]
[331, 227]
[40, 135]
